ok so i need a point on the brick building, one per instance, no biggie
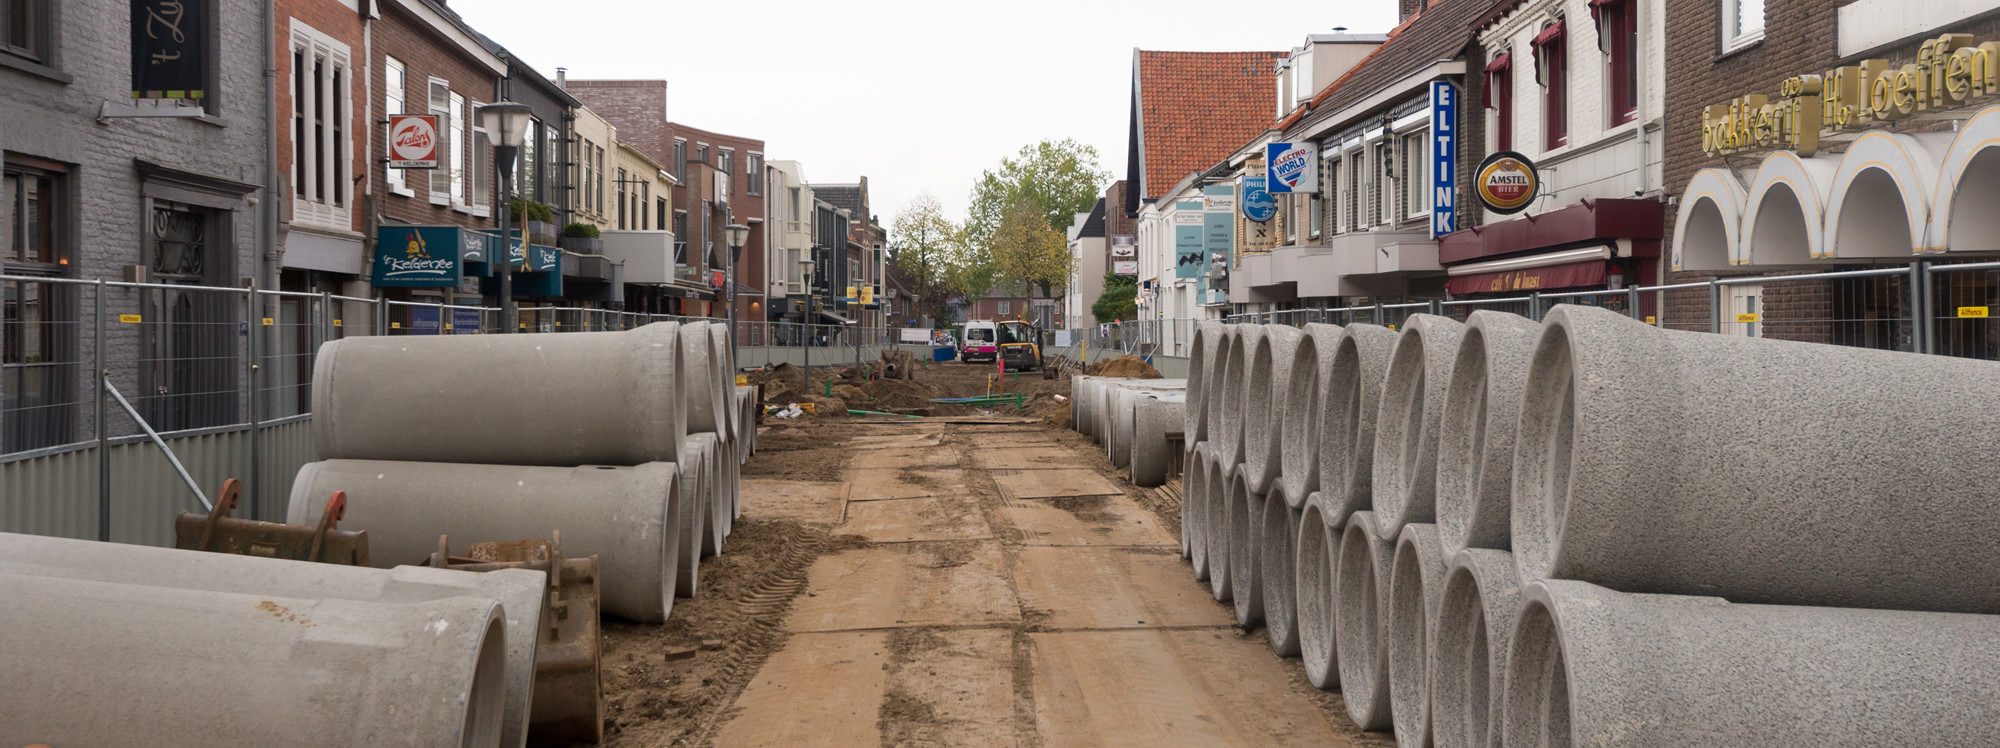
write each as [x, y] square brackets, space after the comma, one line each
[866, 251]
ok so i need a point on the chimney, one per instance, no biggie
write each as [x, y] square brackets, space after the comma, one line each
[562, 78]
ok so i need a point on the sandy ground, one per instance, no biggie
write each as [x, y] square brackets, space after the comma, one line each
[883, 589]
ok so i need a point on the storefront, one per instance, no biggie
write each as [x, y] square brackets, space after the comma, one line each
[1604, 244]
[434, 263]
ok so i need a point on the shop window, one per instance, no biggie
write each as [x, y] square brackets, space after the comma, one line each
[1552, 71]
[38, 319]
[1499, 96]
[1618, 39]
[1742, 23]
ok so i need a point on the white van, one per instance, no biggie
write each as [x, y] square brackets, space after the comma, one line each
[981, 342]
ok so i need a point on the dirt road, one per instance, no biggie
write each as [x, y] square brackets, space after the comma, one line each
[969, 585]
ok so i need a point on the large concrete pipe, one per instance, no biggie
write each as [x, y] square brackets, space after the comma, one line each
[704, 450]
[98, 663]
[1347, 407]
[1416, 587]
[519, 591]
[1152, 419]
[1076, 402]
[746, 413]
[687, 511]
[1589, 666]
[704, 379]
[725, 371]
[1124, 402]
[1482, 596]
[1216, 385]
[1276, 541]
[1196, 496]
[1406, 428]
[1759, 470]
[615, 512]
[1193, 473]
[1299, 416]
[1235, 391]
[433, 398]
[1220, 492]
[1475, 459]
[1361, 601]
[1267, 395]
[1246, 528]
[1314, 567]
[1201, 383]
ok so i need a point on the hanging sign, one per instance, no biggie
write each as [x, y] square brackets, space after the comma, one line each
[413, 141]
[1444, 158]
[1187, 238]
[1258, 205]
[1292, 167]
[1506, 182]
[417, 256]
[169, 49]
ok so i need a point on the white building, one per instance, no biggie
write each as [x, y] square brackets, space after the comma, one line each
[788, 237]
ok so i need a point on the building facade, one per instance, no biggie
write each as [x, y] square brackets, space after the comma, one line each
[788, 223]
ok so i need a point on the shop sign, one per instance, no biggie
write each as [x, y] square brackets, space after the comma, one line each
[1292, 167]
[1258, 205]
[1122, 245]
[1949, 72]
[413, 141]
[1125, 267]
[1187, 238]
[1219, 221]
[417, 256]
[1506, 182]
[1444, 158]
[169, 49]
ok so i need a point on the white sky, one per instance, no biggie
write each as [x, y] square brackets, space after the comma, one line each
[918, 96]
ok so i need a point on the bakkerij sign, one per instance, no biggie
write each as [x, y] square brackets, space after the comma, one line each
[169, 49]
[1187, 238]
[1444, 158]
[1291, 167]
[417, 256]
[1258, 205]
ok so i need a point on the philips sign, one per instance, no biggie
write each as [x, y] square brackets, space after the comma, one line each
[1444, 159]
[1293, 167]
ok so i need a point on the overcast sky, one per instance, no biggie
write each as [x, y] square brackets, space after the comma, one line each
[917, 96]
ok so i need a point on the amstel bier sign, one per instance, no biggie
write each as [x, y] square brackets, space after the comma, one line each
[1950, 71]
[1506, 182]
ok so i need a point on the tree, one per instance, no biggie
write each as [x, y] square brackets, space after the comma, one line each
[1025, 250]
[1059, 179]
[1119, 301]
[925, 247]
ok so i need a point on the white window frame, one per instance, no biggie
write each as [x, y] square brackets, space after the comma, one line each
[330, 204]
[441, 176]
[459, 148]
[479, 166]
[395, 86]
[1003, 307]
[589, 196]
[1415, 152]
[754, 166]
[1732, 11]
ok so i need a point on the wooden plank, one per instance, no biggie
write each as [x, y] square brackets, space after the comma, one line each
[1039, 484]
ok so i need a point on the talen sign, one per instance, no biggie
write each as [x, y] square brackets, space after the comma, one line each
[413, 141]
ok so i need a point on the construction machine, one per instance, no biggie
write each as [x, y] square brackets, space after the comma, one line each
[1020, 345]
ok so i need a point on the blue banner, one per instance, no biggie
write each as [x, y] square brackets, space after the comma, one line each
[1188, 254]
[1444, 159]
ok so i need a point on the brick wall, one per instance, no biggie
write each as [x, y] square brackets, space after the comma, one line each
[345, 26]
[424, 54]
[638, 108]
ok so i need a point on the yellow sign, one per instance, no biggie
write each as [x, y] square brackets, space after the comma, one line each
[1950, 71]
[269, 322]
[395, 325]
[1747, 318]
[1971, 311]
[1651, 320]
[742, 380]
[867, 294]
[131, 319]
[336, 323]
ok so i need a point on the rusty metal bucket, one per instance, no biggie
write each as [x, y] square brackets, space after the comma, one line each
[221, 533]
[568, 705]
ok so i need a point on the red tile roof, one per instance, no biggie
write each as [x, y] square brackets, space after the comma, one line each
[1196, 108]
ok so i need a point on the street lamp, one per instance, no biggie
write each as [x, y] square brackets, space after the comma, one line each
[805, 321]
[737, 235]
[508, 122]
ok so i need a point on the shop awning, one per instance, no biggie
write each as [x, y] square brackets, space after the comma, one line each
[1498, 66]
[1527, 280]
[1588, 221]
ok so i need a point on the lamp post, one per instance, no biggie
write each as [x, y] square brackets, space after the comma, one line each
[805, 321]
[508, 121]
[737, 235]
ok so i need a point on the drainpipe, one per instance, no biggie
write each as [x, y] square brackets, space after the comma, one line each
[266, 273]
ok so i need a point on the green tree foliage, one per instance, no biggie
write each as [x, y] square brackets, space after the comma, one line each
[1027, 251]
[925, 246]
[1058, 178]
[1119, 301]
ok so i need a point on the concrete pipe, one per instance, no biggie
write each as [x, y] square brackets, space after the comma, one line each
[1216, 385]
[1347, 409]
[1276, 538]
[433, 398]
[98, 663]
[1124, 404]
[1314, 566]
[725, 370]
[1361, 601]
[1235, 390]
[1086, 421]
[1152, 419]
[1475, 459]
[704, 379]
[1218, 514]
[1076, 402]
[1416, 585]
[1196, 495]
[1191, 474]
[746, 414]
[615, 512]
[1589, 666]
[1299, 416]
[519, 591]
[688, 511]
[1201, 357]
[1101, 402]
[1246, 528]
[1759, 470]
[1406, 428]
[1267, 395]
[1482, 596]
[703, 451]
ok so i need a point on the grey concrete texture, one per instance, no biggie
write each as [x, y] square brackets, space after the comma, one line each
[518, 591]
[1194, 473]
[1152, 419]
[704, 379]
[725, 370]
[746, 419]
[1315, 566]
[1268, 393]
[1590, 666]
[1202, 357]
[617, 513]
[1246, 530]
[1203, 483]
[1221, 490]
[1348, 407]
[703, 451]
[1416, 589]
[1760, 470]
[101, 663]
[1214, 387]
[1482, 597]
[1475, 458]
[688, 510]
[1360, 621]
[1406, 425]
[1298, 416]
[1076, 403]
[1234, 386]
[1124, 401]
[436, 398]
[1276, 551]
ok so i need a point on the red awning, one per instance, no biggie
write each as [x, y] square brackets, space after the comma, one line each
[1579, 223]
[1549, 34]
[1498, 66]
[1597, 19]
[1572, 275]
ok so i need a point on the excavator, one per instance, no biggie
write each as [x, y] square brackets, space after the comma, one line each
[1020, 346]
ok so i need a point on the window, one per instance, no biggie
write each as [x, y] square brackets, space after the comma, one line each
[794, 192]
[1385, 182]
[701, 152]
[1742, 23]
[321, 152]
[1357, 187]
[526, 183]
[639, 203]
[756, 172]
[659, 213]
[1330, 182]
[37, 319]
[681, 161]
[479, 166]
[456, 112]
[440, 105]
[1415, 169]
[392, 103]
[588, 196]
[1317, 214]
[1551, 70]
[24, 29]
[621, 199]
[1618, 39]
[597, 186]
[680, 224]
[1005, 307]
[725, 161]
[1499, 96]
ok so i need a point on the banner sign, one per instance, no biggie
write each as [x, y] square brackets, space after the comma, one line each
[1258, 205]
[1124, 245]
[417, 256]
[1291, 167]
[169, 49]
[1125, 267]
[1444, 158]
[1187, 239]
[1506, 182]
[413, 141]
[1219, 228]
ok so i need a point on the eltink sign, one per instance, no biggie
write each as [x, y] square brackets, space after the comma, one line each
[1291, 167]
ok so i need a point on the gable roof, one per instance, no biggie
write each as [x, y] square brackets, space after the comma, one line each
[1438, 32]
[843, 196]
[1190, 109]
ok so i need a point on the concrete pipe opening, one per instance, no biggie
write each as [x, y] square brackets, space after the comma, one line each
[1406, 431]
[1236, 385]
[1201, 359]
[1313, 569]
[1246, 528]
[1275, 557]
[1469, 648]
[1219, 513]
[704, 379]
[1482, 410]
[1152, 418]
[485, 701]
[1542, 466]
[690, 529]
[1347, 435]
[1360, 599]
[1195, 496]
[1299, 468]
[1415, 591]
[1215, 386]
[1537, 699]
[1270, 383]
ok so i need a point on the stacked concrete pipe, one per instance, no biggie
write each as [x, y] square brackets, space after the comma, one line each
[1124, 402]
[519, 592]
[1762, 471]
[1201, 359]
[1267, 394]
[1246, 527]
[1194, 509]
[1215, 389]
[1312, 369]
[1076, 403]
[1278, 533]
[1360, 621]
[1588, 665]
[1153, 418]
[1315, 567]
[1406, 429]
[1475, 458]
[1482, 596]
[706, 378]
[688, 509]
[1348, 406]
[615, 512]
[101, 663]
[1235, 386]
[1222, 477]
[434, 399]
[704, 452]
[1416, 589]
